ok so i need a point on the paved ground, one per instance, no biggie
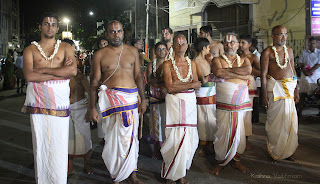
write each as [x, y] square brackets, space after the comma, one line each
[16, 157]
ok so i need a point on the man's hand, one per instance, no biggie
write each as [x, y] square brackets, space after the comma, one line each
[68, 62]
[142, 107]
[265, 101]
[196, 85]
[93, 115]
[296, 98]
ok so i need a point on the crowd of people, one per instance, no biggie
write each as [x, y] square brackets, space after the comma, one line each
[205, 102]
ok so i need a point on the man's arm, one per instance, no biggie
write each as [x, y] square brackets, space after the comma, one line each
[263, 76]
[139, 82]
[94, 85]
[177, 87]
[199, 73]
[67, 70]
[256, 69]
[224, 73]
[221, 50]
[245, 69]
[29, 72]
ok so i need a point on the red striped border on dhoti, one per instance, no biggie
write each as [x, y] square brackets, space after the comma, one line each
[174, 158]
[230, 107]
[208, 100]
[253, 92]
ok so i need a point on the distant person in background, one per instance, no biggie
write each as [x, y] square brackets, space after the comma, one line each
[254, 49]
[216, 47]
[8, 73]
[19, 74]
[102, 41]
[309, 62]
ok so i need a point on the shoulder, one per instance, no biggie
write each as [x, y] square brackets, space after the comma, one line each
[65, 45]
[167, 63]
[267, 50]
[28, 49]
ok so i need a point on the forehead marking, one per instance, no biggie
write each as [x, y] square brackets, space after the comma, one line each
[228, 38]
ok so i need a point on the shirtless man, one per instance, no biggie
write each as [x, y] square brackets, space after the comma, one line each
[245, 45]
[181, 79]
[230, 109]
[279, 95]
[206, 105]
[80, 144]
[116, 70]
[47, 100]
[166, 37]
[216, 48]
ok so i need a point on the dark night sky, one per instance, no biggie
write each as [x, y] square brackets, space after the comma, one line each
[75, 10]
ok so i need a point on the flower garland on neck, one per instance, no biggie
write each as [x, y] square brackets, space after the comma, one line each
[229, 62]
[286, 56]
[56, 48]
[154, 68]
[178, 73]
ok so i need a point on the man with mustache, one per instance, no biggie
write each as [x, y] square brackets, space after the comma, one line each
[279, 95]
[232, 102]
[116, 72]
[47, 67]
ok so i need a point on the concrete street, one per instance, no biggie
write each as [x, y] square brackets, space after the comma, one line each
[16, 156]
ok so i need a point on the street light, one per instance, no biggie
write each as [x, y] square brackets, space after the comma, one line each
[66, 20]
[91, 13]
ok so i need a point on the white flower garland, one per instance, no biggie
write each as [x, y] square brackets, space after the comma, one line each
[177, 71]
[56, 48]
[229, 62]
[154, 67]
[286, 57]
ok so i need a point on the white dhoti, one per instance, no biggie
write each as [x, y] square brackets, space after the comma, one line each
[79, 130]
[282, 119]
[157, 114]
[252, 87]
[48, 105]
[120, 122]
[181, 135]
[206, 111]
[232, 104]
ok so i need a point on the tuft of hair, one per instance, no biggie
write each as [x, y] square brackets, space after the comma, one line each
[311, 39]
[233, 34]
[49, 14]
[68, 41]
[199, 43]
[169, 29]
[207, 29]
[134, 41]
[275, 28]
[179, 35]
[160, 43]
[246, 37]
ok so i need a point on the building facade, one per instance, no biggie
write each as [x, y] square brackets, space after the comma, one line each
[9, 26]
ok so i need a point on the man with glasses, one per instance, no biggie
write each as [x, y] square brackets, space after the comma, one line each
[167, 38]
[116, 72]
[279, 95]
[232, 101]
[157, 99]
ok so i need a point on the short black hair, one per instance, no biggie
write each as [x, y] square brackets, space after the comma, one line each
[207, 29]
[134, 41]
[68, 41]
[311, 39]
[169, 29]
[254, 43]
[49, 14]
[199, 43]
[246, 37]
[160, 43]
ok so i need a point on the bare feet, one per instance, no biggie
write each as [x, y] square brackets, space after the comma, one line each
[156, 156]
[240, 167]
[133, 179]
[292, 159]
[170, 182]
[183, 181]
[202, 152]
[216, 170]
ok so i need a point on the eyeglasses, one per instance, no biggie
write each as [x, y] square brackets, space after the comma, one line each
[231, 43]
[282, 34]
